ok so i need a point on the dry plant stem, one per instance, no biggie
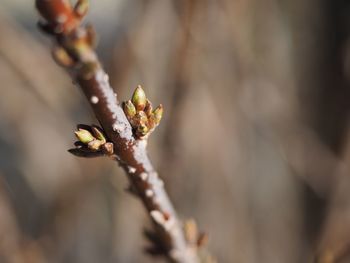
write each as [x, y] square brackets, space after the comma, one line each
[130, 153]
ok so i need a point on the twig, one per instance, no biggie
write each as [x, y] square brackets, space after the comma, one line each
[75, 51]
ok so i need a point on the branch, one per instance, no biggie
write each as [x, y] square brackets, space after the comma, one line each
[74, 50]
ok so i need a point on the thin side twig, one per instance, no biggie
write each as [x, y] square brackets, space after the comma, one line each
[74, 50]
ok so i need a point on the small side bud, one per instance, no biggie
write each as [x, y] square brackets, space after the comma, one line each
[91, 36]
[148, 108]
[98, 134]
[139, 98]
[157, 114]
[84, 136]
[129, 109]
[142, 130]
[141, 118]
[92, 142]
[191, 231]
[203, 240]
[107, 148]
[81, 8]
[61, 57]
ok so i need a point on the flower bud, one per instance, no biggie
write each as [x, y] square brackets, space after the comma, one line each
[142, 130]
[139, 98]
[84, 136]
[98, 134]
[148, 108]
[91, 36]
[81, 8]
[191, 231]
[61, 57]
[157, 114]
[129, 109]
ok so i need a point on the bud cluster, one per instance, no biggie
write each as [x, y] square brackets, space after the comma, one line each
[62, 19]
[75, 47]
[92, 140]
[140, 113]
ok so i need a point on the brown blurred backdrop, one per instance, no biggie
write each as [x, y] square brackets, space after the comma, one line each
[255, 143]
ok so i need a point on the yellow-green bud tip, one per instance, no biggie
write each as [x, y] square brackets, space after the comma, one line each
[81, 8]
[148, 108]
[61, 57]
[158, 113]
[129, 109]
[142, 130]
[98, 134]
[139, 98]
[84, 136]
[191, 231]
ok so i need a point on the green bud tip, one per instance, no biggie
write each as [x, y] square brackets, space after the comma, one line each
[158, 113]
[84, 136]
[91, 36]
[139, 98]
[129, 109]
[98, 134]
[81, 8]
[142, 129]
[61, 56]
[148, 109]
[191, 231]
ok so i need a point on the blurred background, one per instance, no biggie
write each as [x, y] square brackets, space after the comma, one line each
[255, 142]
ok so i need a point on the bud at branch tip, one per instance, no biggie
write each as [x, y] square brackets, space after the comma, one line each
[139, 98]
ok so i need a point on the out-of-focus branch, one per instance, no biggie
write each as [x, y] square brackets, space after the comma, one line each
[75, 51]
